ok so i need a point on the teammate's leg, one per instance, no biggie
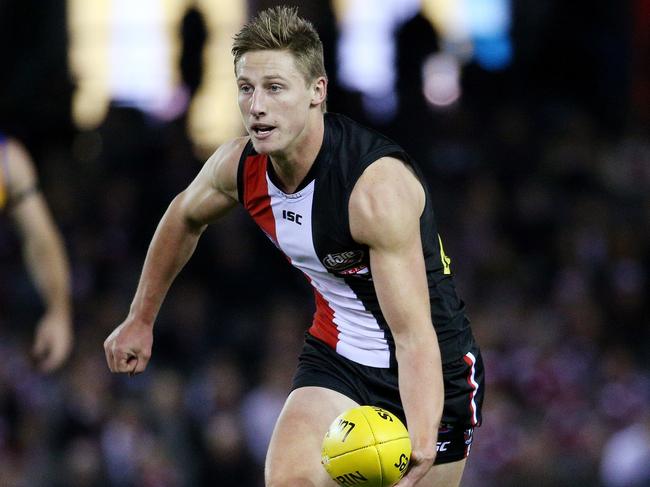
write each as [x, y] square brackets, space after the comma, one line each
[293, 459]
[444, 475]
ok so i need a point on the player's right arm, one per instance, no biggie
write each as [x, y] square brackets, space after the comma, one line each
[210, 196]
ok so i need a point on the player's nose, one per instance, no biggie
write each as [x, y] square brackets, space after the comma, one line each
[258, 103]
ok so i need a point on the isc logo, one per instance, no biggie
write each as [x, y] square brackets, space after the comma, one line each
[292, 216]
[442, 445]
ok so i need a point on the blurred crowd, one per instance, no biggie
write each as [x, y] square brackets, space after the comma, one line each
[544, 208]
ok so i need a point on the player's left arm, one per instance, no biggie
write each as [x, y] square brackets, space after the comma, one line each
[385, 209]
[45, 258]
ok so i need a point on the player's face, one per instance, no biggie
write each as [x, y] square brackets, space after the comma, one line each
[274, 100]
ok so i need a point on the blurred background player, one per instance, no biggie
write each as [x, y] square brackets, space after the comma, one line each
[43, 252]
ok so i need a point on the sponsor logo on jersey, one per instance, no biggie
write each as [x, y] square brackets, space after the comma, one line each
[345, 261]
[292, 216]
[354, 271]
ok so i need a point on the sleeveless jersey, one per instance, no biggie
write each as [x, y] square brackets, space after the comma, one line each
[311, 227]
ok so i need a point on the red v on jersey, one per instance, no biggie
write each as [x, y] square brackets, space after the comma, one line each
[256, 195]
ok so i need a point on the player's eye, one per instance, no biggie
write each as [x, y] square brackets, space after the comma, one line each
[245, 89]
[275, 88]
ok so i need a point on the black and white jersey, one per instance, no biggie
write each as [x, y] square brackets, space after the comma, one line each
[311, 227]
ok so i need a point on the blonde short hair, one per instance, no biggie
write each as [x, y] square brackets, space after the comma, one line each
[280, 28]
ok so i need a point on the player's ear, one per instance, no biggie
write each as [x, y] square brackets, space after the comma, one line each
[319, 90]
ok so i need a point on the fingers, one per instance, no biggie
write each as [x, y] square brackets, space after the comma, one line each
[128, 348]
[140, 365]
[124, 362]
[39, 350]
[409, 480]
[42, 353]
[50, 349]
[108, 354]
[50, 361]
[115, 357]
[417, 470]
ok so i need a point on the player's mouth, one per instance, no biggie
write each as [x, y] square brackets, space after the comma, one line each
[261, 131]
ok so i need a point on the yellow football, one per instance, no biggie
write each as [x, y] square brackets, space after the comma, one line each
[366, 446]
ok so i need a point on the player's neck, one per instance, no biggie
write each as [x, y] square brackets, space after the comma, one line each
[292, 166]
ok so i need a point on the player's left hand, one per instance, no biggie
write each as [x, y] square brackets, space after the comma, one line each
[52, 342]
[419, 466]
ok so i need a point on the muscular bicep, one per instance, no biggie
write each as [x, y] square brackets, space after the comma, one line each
[385, 209]
[214, 190]
[202, 203]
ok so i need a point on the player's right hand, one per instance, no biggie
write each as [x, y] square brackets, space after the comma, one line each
[128, 348]
[419, 465]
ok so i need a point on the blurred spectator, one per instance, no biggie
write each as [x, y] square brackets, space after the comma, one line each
[626, 456]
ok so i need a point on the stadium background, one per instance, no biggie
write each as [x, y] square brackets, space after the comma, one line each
[530, 120]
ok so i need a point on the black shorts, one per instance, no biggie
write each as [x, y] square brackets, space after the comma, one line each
[320, 366]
